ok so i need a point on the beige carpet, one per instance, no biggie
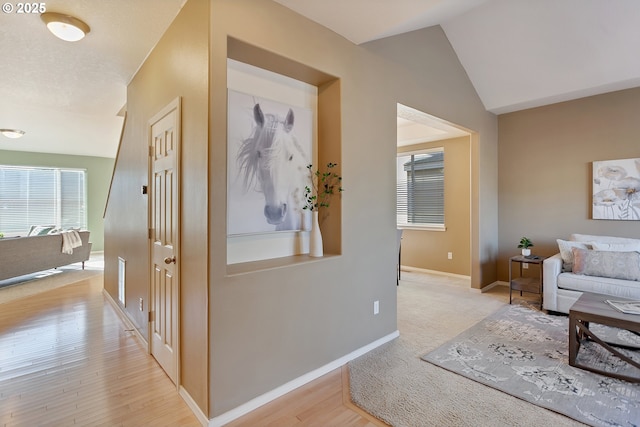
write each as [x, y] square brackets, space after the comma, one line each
[393, 384]
[31, 284]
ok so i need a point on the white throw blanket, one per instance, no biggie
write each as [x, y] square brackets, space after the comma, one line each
[70, 239]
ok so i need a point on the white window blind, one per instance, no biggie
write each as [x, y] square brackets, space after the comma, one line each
[41, 196]
[420, 189]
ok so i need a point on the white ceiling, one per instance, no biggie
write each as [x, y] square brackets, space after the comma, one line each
[415, 127]
[67, 96]
[517, 53]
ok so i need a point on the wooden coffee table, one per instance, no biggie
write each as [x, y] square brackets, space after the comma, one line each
[592, 308]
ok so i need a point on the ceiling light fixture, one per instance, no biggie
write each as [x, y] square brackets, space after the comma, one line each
[12, 133]
[65, 27]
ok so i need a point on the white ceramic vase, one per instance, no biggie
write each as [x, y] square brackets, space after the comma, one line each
[306, 220]
[526, 252]
[315, 237]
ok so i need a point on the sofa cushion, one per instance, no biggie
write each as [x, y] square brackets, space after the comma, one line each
[565, 247]
[40, 230]
[619, 247]
[613, 264]
[599, 285]
[604, 239]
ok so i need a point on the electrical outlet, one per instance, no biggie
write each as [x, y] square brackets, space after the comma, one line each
[376, 307]
[525, 265]
[141, 304]
[450, 255]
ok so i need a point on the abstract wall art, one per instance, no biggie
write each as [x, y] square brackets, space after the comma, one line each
[616, 189]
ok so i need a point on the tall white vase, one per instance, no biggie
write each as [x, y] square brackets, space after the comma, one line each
[315, 237]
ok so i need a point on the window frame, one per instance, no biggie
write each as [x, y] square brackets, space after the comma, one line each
[56, 201]
[421, 226]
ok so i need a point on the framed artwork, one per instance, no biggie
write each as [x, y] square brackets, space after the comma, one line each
[269, 146]
[616, 189]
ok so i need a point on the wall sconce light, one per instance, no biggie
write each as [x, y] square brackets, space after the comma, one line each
[12, 133]
[65, 27]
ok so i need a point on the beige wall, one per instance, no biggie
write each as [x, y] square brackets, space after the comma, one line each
[424, 73]
[178, 66]
[99, 171]
[546, 157]
[270, 326]
[428, 249]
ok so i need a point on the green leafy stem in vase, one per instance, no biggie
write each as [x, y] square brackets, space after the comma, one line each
[323, 186]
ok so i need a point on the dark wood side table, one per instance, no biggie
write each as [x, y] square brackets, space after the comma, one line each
[526, 284]
[592, 308]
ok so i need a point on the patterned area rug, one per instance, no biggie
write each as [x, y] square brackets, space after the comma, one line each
[524, 353]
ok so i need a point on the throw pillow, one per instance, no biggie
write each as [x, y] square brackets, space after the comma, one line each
[616, 265]
[40, 230]
[618, 247]
[565, 247]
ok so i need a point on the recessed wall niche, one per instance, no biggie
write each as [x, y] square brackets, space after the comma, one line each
[277, 83]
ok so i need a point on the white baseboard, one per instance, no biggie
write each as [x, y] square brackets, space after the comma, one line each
[441, 273]
[492, 285]
[123, 316]
[255, 403]
[202, 418]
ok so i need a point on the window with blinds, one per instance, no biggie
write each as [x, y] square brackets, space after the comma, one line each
[41, 196]
[420, 189]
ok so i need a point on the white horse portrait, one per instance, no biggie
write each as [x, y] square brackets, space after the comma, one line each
[269, 144]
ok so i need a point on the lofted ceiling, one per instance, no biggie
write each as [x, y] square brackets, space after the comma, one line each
[517, 53]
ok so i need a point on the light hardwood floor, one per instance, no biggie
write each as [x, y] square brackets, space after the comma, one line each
[323, 402]
[66, 359]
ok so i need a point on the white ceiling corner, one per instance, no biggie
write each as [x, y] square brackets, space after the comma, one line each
[522, 54]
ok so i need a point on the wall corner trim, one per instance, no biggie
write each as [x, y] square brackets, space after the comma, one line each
[202, 418]
[255, 403]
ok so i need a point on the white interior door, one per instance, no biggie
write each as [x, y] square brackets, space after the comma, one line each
[164, 160]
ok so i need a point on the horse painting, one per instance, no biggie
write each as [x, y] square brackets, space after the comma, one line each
[272, 163]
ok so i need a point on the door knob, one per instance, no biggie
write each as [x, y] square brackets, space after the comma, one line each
[169, 260]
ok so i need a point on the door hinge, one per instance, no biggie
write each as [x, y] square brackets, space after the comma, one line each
[151, 151]
[151, 233]
[151, 316]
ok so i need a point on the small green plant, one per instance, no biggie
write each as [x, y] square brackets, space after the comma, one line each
[525, 243]
[1, 235]
[323, 186]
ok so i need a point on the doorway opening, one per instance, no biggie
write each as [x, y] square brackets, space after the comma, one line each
[434, 187]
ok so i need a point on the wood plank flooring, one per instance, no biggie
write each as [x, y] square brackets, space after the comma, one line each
[323, 402]
[66, 359]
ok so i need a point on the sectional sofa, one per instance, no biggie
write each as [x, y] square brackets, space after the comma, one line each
[25, 255]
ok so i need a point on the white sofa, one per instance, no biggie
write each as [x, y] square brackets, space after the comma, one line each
[562, 287]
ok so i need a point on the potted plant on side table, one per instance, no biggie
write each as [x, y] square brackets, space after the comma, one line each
[525, 244]
[323, 186]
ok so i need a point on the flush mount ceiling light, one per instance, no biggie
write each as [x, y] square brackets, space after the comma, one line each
[12, 133]
[65, 27]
